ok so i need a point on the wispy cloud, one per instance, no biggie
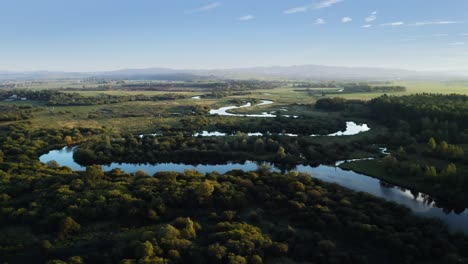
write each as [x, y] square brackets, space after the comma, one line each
[246, 18]
[316, 6]
[457, 43]
[367, 26]
[319, 21]
[325, 4]
[464, 34]
[295, 10]
[205, 8]
[371, 17]
[393, 24]
[346, 19]
[439, 22]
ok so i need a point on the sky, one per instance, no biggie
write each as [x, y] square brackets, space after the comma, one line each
[101, 35]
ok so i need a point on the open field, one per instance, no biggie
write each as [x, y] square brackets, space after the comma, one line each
[149, 116]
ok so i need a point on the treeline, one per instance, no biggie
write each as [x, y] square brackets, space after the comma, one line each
[216, 87]
[367, 88]
[16, 113]
[286, 152]
[75, 99]
[356, 87]
[304, 126]
[436, 170]
[56, 98]
[444, 150]
[220, 94]
[444, 117]
[21, 144]
[151, 149]
[318, 85]
[338, 104]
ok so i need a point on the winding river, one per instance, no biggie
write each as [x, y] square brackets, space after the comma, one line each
[351, 130]
[223, 111]
[418, 203]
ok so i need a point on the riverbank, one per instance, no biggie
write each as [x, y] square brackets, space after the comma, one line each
[375, 169]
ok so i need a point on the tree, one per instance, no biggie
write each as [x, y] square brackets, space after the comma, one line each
[68, 226]
[236, 259]
[450, 170]
[443, 147]
[152, 215]
[144, 250]
[53, 164]
[279, 249]
[217, 251]
[256, 259]
[75, 260]
[281, 153]
[259, 145]
[430, 171]
[46, 246]
[68, 140]
[204, 191]
[432, 144]
[94, 172]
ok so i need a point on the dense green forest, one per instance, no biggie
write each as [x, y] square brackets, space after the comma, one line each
[444, 117]
[53, 214]
[428, 135]
[301, 125]
[284, 151]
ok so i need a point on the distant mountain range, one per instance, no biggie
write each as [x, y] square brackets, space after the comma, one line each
[300, 72]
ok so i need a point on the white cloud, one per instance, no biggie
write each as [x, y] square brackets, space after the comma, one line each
[319, 21]
[374, 13]
[326, 3]
[246, 18]
[393, 24]
[367, 26]
[295, 10]
[371, 18]
[457, 43]
[346, 19]
[205, 8]
[316, 6]
[440, 35]
[440, 22]
[464, 34]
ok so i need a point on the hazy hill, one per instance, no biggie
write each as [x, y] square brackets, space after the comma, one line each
[300, 72]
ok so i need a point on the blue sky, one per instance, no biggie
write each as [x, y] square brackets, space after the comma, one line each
[92, 35]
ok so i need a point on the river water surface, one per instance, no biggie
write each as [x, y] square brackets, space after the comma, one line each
[418, 203]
